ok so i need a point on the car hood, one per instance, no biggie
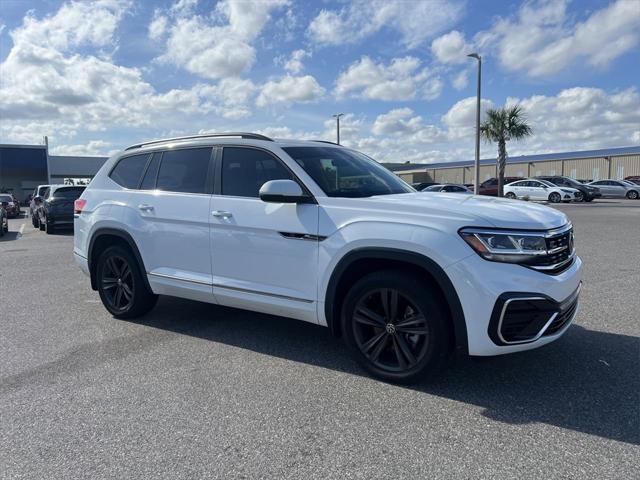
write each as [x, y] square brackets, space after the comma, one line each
[473, 210]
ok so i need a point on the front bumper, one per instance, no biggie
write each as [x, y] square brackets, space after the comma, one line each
[483, 288]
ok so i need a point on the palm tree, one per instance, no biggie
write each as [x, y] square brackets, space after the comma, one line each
[500, 126]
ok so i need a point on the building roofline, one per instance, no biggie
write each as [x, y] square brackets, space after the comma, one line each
[21, 145]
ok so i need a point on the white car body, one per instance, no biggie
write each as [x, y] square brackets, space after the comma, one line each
[234, 251]
[540, 190]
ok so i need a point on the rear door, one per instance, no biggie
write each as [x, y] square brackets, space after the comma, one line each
[171, 214]
[265, 255]
[618, 189]
[536, 190]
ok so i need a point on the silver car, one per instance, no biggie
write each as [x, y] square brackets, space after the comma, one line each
[617, 189]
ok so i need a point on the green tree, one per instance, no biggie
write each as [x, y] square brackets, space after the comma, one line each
[500, 126]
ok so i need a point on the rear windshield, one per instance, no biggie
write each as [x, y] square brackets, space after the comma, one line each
[6, 198]
[70, 193]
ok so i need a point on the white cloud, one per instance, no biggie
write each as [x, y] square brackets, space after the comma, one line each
[294, 64]
[203, 46]
[158, 26]
[451, 48]
[415, 22]
[290, 89]
[402, 79]
[460, 119]
[461, 80]
[543, 40]
[93, 147]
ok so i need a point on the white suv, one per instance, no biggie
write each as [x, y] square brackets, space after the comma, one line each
[321, 233]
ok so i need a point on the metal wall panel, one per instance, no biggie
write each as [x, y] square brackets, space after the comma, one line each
[625, 166]
[587, 168]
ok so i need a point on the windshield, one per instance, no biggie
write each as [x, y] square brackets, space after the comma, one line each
[6, 198]
[344, 173]
[548, 184]
[68, 193]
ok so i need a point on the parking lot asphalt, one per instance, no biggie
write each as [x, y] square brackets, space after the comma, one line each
[199, 391]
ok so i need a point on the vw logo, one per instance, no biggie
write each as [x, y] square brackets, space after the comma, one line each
[391, 328]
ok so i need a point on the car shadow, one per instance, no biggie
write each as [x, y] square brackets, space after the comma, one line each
[9, 236]
[587, 381]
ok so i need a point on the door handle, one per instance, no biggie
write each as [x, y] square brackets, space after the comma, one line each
[145, 208]
[221, 214]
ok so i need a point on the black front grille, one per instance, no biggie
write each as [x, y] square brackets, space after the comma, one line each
[560, 257]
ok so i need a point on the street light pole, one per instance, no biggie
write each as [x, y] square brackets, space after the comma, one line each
[337, 117]
[476, 183]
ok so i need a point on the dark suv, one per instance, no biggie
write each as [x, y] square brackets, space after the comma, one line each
[56, 209]
[588, 192]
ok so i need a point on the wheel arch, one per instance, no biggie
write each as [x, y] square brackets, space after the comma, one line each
[370, 259]
[105, 237]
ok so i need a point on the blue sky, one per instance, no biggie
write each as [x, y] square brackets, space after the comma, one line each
[97, 75]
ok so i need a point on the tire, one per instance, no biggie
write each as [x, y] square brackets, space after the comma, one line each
[510, 195]
[121, 286]
[632, 195]
[580, 197]
[34, 221]
[555, 197]
[588, 199]
[397, 355]
[41, 225]
[1, 227]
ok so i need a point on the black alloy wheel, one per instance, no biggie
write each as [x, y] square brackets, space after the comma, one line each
[121, 286]
[510, 195]
[555, 197]
[395, 326]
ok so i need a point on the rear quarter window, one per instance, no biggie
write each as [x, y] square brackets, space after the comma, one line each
[128, 170]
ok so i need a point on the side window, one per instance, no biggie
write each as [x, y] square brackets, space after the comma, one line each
[128, 171]
[245, 170]
[149, 180]
[184, 170]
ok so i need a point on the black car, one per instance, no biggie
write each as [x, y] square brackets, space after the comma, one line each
[4, 222]
[588, 192]
[56, 209]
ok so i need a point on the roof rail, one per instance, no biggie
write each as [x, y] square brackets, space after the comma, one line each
[327, 141]
[252, 136]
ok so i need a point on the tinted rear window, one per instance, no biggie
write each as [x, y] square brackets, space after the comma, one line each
[129, 170]
[69, 193]
[184, 170]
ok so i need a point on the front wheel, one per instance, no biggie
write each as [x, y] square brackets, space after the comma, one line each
[395, 326]
[121, 286]
[510, 195]
[555, 197]
[632, 195]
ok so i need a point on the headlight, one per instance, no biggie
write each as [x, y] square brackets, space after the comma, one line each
[505, 246]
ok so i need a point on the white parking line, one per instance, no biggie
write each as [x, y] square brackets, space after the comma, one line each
[21, 230]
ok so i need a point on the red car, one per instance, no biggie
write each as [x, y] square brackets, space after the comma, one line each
[490, 187]
[634, 178]
[10, 205]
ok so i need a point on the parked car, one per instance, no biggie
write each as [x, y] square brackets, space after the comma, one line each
[324, 234]
[588, 193]
[633, 179]
[8, 203]
[448, 187]
[35, 202]
[4, 221]
[56, 209]
[490, 186]
[422, 185]
[536, 189]
[617, 189]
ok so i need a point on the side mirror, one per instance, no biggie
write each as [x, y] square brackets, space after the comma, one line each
[282, 191]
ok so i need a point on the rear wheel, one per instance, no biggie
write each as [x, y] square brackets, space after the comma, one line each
[121, 286]
[41, 224]
[632, 195]
[555, 197]
[510, 195]
[395, 326]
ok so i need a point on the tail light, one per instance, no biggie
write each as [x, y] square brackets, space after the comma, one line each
[79, 205]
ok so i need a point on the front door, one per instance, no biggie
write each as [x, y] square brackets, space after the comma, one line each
[265, 255]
